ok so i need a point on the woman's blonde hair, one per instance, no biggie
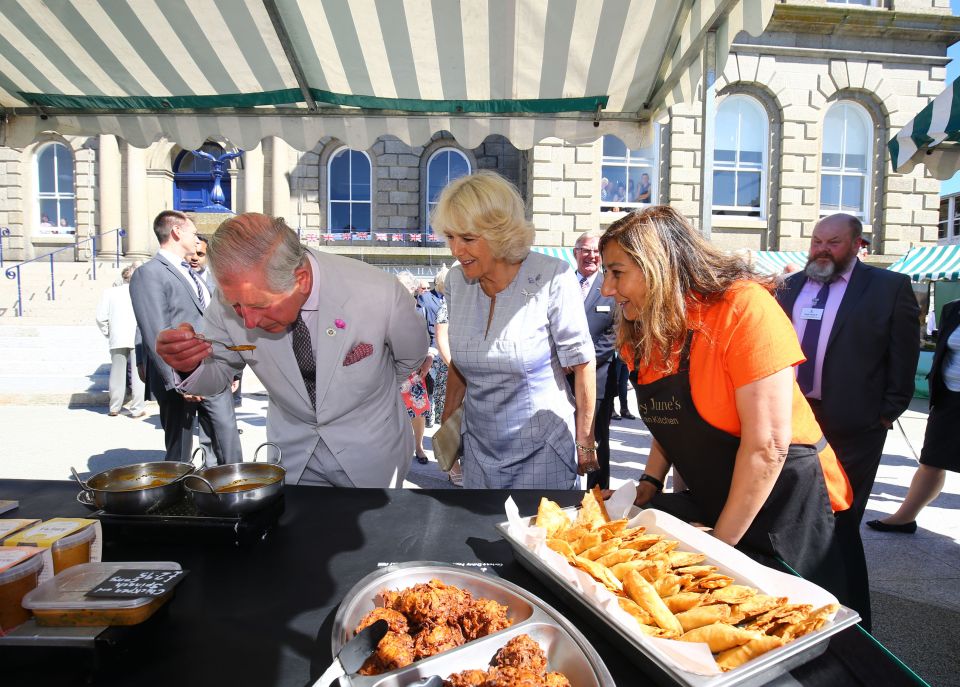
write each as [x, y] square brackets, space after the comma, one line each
[680, 268]
[487, 206]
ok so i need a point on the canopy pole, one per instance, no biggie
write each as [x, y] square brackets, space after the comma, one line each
[708, 130]
[291, 54]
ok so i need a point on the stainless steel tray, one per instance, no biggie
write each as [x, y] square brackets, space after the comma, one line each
[758, 671]
[567, 649]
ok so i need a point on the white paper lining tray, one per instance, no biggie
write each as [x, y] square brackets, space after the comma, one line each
[588, 596]
[567, 649]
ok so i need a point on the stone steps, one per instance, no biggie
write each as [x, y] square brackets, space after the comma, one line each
[53, 364]
[77, 293]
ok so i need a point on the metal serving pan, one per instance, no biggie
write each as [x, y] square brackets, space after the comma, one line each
[758, 671]
[567, 649]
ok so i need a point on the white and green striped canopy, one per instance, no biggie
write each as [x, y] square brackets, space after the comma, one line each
[774, 261]
[355, 69]
[930, 263]
[558, 252]
[931, 138]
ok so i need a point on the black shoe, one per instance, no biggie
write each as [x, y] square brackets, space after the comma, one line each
[905, 528]
[615, 416]
[423, 460]
[627, 415]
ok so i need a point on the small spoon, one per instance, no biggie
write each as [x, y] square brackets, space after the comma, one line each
[242, 347]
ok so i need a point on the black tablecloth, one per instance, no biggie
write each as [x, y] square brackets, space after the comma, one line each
[262, 613]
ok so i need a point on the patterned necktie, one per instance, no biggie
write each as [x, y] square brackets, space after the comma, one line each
[811, 338]
[584, 286]
[307, 362]
[196, 283]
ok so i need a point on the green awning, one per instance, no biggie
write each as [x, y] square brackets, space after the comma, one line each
[930, 263]
[931, 138]
[558, 252]
[774, 261]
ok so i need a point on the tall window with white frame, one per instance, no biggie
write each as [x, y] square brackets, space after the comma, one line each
[845, 163]
[628, 179]
[56, 198]
[740, 157]
[349, 196]
[445, 165]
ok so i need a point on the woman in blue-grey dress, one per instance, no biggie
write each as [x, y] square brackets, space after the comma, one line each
[517, 328]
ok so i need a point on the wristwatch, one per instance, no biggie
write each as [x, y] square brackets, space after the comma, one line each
[653, 480]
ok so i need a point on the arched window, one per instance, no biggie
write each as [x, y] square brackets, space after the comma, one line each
[628, 176]
[845, 163]
[193, 181]
[349, 204]
[444, 166]
[56, 201]
[740, 157]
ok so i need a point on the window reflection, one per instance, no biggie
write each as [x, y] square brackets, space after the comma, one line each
[56, 199]
[444, 166]
[348, 192]
[628, 180]
[738, 158]
[845, 167]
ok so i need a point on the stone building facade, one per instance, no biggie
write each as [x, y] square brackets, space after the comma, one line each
[803, 114]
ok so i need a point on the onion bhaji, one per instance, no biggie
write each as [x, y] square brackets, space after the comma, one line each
[522, 652]
[396, 620]
[433, 639]
[520, 663]
[484, 617]
[394, 651]
[426, 619]
[430, 603]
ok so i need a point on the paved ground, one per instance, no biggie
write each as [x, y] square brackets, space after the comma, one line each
[914, 578]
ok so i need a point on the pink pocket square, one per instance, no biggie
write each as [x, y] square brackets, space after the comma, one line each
[358, 353]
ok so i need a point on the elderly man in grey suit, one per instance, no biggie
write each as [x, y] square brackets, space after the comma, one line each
[600, 313]
[166, 292]
[333, 339]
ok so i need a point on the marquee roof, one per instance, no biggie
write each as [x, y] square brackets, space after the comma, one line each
[355, 69]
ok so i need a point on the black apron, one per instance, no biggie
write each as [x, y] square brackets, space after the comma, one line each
[795, 524]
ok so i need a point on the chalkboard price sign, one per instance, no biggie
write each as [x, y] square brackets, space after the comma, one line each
[132, 583]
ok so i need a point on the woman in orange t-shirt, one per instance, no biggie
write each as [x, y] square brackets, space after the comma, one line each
[713, 354]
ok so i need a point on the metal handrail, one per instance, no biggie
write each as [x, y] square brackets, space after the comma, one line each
[4, 233]
[14, 272]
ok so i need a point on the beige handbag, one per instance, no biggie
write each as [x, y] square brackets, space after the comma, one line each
[446, 441]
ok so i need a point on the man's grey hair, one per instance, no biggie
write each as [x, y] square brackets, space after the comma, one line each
[127, 273]
[593, 233]
[256, 242]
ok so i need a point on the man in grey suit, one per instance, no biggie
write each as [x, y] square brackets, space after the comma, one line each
[859, 328]
[600, 312]
[165, 292]
[330, 338]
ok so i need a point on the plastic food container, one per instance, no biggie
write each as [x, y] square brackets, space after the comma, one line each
[72, 550]
[15, 583]
[61, 601]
